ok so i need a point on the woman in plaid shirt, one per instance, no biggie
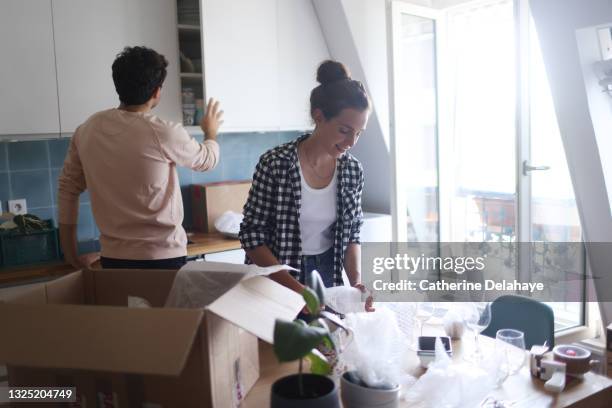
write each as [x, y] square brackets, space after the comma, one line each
[304, 207]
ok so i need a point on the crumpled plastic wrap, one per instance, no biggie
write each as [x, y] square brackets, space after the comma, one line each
[229, 223]
[344, 299]
[379, 350]
[447, 385]
[198, 284]
[138, 302]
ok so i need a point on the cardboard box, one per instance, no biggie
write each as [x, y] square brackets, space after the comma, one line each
[77, 330]
[210, 201]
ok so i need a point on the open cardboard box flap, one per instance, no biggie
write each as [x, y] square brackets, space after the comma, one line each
[240, 294]
[147, 341]
[255, 303]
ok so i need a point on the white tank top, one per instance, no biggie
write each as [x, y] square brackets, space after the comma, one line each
[317, 216]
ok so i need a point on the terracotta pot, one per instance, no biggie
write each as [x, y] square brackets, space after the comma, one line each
[577, 359]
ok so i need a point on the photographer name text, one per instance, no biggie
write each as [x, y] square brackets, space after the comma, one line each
[443, 286]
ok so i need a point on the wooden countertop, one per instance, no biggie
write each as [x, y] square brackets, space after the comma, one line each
[203, 243]
[208, 243]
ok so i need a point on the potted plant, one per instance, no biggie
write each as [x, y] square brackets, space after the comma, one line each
[298, 340]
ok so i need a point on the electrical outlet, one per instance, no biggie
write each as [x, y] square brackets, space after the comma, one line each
[18, 206]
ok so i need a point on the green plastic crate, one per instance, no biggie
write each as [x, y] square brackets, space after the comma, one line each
[18, 248]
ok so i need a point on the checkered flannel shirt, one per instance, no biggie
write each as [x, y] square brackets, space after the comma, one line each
[271, 214]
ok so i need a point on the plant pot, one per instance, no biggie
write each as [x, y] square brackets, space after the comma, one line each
[358, 396]
[319, 391]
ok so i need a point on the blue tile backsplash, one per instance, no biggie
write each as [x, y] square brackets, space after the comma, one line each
[30, 169]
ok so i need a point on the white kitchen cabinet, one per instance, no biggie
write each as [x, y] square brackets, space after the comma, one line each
[301, 48]
[88, 36]
[260, 59]
[28, 89]
[153, 24]
[241, 61]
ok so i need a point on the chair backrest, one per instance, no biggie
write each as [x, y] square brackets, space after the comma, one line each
[533, 318]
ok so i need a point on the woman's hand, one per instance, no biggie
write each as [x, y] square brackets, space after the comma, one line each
[369, 300]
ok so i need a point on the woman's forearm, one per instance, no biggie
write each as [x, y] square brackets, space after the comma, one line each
[262, 256]
[352, 263]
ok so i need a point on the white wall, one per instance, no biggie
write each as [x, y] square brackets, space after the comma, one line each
[556, 23]
[600, 103]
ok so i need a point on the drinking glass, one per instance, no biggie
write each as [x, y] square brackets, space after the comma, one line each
[424, 311]
[510, 344]
[478, 317]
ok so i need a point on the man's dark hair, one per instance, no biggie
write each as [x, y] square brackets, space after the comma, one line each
[137, 73]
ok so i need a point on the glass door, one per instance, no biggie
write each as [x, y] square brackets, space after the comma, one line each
[414, 123]
[477, 153]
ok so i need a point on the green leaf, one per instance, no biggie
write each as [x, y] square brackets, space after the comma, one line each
[318, 363]
[329, 343]
[312, 301]
[315, 282]
[294, 340]
[327, 340]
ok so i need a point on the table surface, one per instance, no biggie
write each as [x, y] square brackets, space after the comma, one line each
[524, 391]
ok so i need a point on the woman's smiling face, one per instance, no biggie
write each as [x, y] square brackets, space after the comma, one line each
[341, 132]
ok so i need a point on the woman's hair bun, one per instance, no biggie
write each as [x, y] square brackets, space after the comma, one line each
[332, 71]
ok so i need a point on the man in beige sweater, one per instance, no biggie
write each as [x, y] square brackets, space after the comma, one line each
[126, 158]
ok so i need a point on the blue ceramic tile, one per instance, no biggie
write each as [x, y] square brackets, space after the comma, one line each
[209, 176]
[44, 213]
[54, 177]
[264, 141]
[288, 136]
[32, 185]
[90, 245]
[85, 223]
[253, 160]
[237, 170]
[3, 159]
[55, 216]
[185, 176]
[57, 151]
[28, 155]
[235, 144]
[4, 190]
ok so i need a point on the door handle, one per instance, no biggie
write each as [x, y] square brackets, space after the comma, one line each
[527, 168]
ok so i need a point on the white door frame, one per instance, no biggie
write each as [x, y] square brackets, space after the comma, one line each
[394, 11]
